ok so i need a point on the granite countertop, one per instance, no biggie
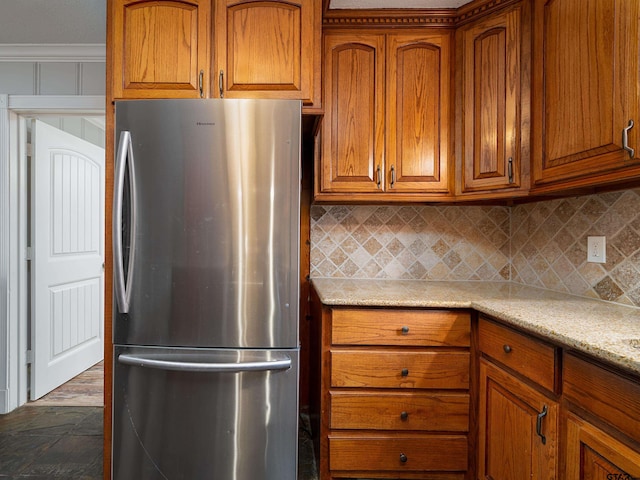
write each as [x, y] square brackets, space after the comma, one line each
[605, 330]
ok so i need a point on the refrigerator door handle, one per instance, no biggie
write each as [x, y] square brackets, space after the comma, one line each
[124, 162]
[205, 367]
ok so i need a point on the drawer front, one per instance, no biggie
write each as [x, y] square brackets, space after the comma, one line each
[529, 357]
[607, 395]
[399, 369]
[400, 327]
[444, 453]
[445, 412]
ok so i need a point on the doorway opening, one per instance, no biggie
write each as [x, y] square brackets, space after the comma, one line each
[62, 166]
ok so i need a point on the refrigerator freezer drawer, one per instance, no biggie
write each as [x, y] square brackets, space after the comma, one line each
[205, 413]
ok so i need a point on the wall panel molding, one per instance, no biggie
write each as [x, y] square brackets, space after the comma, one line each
[52, 53]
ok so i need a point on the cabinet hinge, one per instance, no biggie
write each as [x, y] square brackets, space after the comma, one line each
[29, 356]
[28, 254]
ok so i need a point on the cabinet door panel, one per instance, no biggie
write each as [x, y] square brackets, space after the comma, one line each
[509, 446]
[492, 103]
[593, 454]
[160, 48]
[588, 71]
[353, 141]
[418, 101]
[267, 49]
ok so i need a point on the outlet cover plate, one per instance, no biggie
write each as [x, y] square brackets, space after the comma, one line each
[597, 249]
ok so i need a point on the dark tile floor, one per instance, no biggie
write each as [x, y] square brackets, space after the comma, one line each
[52, 443]
[65, 443]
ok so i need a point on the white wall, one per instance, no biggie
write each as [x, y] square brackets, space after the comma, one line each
[52, 69]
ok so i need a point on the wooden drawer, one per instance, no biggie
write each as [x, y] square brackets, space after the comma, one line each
[400, 327]
[380, 453]
[445, 412]
[399, 369]
[613, 398]
[532, 358]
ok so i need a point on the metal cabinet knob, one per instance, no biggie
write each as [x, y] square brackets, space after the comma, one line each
[404, 415]
[506, 348]
[405, 330]
[405, 372]
[403, 458]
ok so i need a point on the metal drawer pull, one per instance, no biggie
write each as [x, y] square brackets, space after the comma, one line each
[403, 458]
[541, 415]
[201, 83]
[405, 372]
[625, 140]
[506, 348]
[405, 330]
[404, 415]
[393, 176]
[378, 176]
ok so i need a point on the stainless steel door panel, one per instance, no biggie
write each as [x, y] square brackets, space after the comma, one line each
[172, 424]
[217, 187]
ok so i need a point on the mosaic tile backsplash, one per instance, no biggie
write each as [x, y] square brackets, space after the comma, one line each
[542, 244]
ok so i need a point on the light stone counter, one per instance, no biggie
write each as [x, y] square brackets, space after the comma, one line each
[604, 330]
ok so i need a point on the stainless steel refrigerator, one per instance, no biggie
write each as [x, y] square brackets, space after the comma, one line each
[206, 287]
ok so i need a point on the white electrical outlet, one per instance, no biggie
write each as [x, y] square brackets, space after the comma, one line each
[597, 249]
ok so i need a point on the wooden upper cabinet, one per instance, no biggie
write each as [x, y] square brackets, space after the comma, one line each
[585, 91]
[495, 123]
[418, 104]
[160, 49]
[268, 49]
[353, 130]
[386, 132]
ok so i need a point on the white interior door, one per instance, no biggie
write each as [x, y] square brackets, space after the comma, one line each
[67, 277]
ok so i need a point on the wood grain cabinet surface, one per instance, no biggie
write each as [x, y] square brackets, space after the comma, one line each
[216, 48]
[268, 49]
[586, 74]
[386, 132]
[494, 63]
[160, 49]
[518, 422]
[395, 399]
[602, 422]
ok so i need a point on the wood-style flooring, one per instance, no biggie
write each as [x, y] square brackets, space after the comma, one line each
[85, 390]
[60, 436]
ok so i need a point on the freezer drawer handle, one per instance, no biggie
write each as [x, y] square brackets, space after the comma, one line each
[206, 367]
[124, 161]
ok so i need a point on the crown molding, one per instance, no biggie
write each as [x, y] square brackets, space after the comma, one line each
[391, 18]
[22, 52]
[432, 17]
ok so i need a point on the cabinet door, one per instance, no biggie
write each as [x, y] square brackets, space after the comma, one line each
[353, 131]
[491, 153]
[511, 446]
[160, 49]
[594, 454]
[586, 70]
[418, 112]
[267, 49]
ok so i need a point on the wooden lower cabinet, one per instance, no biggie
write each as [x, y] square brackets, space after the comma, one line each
[602, 421]
[394, 401]
[397, 453]
[518, 428]
[595, 454]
